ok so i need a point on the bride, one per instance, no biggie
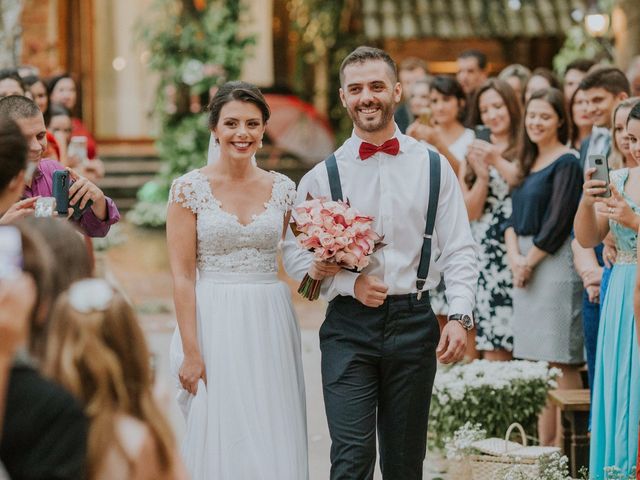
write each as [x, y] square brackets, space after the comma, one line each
[236, 350]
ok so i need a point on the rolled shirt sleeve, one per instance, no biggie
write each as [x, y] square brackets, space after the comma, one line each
[458, 259]
[93, 226]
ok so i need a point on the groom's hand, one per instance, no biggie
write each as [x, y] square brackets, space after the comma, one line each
[453, 343]
[370, 290]
[321, 269]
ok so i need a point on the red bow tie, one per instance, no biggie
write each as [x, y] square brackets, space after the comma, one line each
[391, 147]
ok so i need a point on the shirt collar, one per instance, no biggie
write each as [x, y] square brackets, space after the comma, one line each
[355, 141]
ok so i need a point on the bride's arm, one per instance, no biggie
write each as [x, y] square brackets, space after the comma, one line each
[181, 242]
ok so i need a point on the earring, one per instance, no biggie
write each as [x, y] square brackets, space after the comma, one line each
[260, 146]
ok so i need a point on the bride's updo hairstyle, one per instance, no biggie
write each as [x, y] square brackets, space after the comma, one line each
[236, 91]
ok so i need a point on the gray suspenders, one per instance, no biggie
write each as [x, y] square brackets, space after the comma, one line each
[434, 193]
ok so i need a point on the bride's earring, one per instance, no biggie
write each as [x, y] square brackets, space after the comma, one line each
[260, 145]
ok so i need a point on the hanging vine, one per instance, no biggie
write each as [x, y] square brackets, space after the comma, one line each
[193, 45]
[326, 30]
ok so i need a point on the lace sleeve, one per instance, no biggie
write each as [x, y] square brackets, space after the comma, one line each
[285, 195]
[185, 192]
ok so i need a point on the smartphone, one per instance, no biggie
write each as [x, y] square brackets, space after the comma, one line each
[599, 162]
[483, 133]
[61, 182]
[78, 149]
[10, 252]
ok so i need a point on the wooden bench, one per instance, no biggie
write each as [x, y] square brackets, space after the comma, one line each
[574, 406]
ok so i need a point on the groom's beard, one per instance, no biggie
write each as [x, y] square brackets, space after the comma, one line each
[385, 116]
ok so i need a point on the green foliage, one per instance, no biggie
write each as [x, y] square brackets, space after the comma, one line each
[192, 51]
[578, 44]
[328, 30]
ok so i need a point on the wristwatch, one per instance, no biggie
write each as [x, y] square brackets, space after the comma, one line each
[465, 320]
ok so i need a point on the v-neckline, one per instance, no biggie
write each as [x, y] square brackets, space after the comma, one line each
[235, 217]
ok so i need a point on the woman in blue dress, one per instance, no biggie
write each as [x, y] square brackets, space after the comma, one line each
[616, 391]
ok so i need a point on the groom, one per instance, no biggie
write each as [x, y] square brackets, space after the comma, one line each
[380, 338]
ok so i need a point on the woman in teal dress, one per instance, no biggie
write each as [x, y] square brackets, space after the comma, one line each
[616, 391]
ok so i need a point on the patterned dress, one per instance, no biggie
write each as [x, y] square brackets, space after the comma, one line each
[494, 307]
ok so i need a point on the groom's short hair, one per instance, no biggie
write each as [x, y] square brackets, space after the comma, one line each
[364, 54]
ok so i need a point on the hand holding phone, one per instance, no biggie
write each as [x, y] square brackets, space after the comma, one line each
[599, 162]
[483, 133]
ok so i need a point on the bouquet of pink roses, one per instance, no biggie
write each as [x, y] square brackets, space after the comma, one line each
[335, 232]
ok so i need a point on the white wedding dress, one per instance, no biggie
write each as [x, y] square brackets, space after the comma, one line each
[249, 422]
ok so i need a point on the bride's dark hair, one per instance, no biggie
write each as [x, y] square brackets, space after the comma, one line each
[240, 91]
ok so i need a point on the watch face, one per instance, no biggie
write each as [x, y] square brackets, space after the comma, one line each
[467, 321]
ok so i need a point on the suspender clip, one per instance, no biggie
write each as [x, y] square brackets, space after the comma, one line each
[427, 236]
[420, 285]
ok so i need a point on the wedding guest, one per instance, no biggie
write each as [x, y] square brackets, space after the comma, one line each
[516, 76]
[418, 96]
[72, 261]
[11, 83]
[615, 409]
[472, 71]
[411, 70]
[540, 78]
[547, 297]
[45, 431]
[63, 90]
[97, 350]
[38, 90]
[444, 130]
[97, 219]
[17, 298]
[447, 134]
[573, 75]
[486, 178]
[581, 123]
[605, 88]
[13, 165]
[594, 265]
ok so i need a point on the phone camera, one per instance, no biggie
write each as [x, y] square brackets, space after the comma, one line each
[598, 161]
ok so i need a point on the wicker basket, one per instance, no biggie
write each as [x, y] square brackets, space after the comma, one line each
[498, 455]
[460, 469]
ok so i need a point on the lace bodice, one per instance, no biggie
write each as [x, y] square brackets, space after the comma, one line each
[625, 238]
[224, 244]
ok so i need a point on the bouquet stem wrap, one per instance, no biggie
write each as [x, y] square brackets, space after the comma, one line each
[310, 288]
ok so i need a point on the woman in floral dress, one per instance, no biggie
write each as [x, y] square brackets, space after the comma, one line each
[486, 178]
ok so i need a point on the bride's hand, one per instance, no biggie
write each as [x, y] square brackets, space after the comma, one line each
[191, 371]
[321, 269]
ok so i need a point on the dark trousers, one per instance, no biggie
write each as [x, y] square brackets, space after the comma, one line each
[378, 366]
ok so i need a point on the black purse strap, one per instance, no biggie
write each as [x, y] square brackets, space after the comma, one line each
[432, 209]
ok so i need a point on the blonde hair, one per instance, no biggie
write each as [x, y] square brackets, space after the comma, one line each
[102, 358]
[616, 159]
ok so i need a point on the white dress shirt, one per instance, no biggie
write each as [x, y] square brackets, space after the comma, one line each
[395, 191]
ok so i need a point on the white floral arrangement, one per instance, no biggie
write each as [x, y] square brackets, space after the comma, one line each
[458, 446]
[554, 467]
[489, 394]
